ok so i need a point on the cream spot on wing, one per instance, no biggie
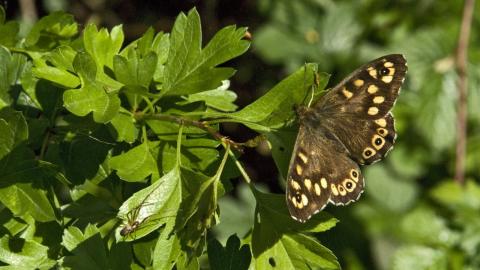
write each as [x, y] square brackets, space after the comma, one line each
[372, 72]
[372, 110]
[334, 189]
[381, 122]
[349, 185]
[312, 153]
[378, 99]
[388, 64]
[378, 142]
[317, 189]
[304, 199]
[347, 93]
[387, 79]
[323, 182]
[354, 175]
[341, 190]
[383, 132]
[358, 83]
[368, 152]
[372, 89]
[308, 183]
[299, 169]
[295, 185]
[303, 157]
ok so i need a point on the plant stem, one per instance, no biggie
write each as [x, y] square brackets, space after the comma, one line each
[199, 124]
[461, 66]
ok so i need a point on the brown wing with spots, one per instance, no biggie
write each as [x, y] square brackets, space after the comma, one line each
[320, 171]
[357, 110]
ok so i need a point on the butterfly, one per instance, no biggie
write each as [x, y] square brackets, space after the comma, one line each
[349, 126]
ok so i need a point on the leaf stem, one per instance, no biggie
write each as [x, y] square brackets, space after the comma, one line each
[199, 124]
[461, 65]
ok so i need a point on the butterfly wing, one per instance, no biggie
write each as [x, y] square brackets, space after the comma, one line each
[320, 171]
[357, 110]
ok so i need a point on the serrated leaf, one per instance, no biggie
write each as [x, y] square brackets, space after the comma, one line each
[102, 45]
[135, 70]
[50, 30]
[230, 257]
[276, 107]
[134, 165]
[190, 69]
[92, 96]
[73, 236]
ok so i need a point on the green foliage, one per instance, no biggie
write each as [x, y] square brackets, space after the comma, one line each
[110, 156]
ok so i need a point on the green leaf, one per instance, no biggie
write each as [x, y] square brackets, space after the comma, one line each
[189, 69]
[8, 32]
[15, 130]
[23, 200]
[135, 70]
[123, 127]
[134, 165]
[62, 59]
[24, 254]
[199, 207]
[230, 257]
[274, 208]
[275, 238]
[7, 75]
[92, 96]
[152, 206]
[282, 142]
[93, 248]
[220, 98]
[73, 236]
[167, 249]
[101, 45]
[50, 30]
[419, 258]
[276, 107]
[296, 251]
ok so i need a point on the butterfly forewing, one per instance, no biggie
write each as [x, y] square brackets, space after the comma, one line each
[350, 125]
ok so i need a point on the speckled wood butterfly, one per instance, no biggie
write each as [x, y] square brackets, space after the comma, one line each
[350, 125]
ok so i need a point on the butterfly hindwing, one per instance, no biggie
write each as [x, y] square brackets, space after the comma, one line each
[315, 178]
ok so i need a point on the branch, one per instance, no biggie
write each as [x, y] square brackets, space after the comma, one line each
[199, 124]
[461, 66]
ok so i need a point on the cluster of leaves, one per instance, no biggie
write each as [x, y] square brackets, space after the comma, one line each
[415, 217]
[110, 156]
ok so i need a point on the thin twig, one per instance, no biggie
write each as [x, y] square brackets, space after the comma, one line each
[199, 124]
[461, 65]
